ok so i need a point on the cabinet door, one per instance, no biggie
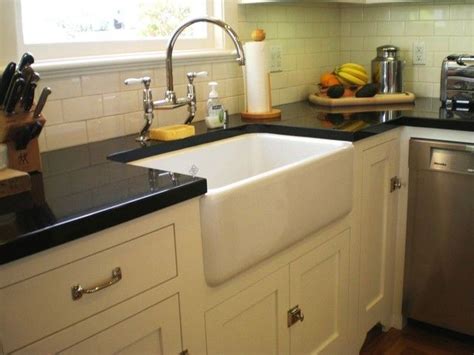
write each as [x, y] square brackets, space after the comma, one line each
[319, 284]
[253, 321]
[378, 218]
[154, 330]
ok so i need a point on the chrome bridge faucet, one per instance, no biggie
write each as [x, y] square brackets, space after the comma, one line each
[171, 101]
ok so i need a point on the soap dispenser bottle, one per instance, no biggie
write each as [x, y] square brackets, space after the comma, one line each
[215, 110]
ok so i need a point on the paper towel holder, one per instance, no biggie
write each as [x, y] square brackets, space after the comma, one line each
[272, 114]
[259, 35]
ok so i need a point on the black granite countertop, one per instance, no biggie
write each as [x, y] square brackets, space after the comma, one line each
[80, 191]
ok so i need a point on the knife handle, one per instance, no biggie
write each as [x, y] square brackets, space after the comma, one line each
[17, 75]
[28, 96]
[26, 60]
[41, 102]
[7, 77]
[15, 96]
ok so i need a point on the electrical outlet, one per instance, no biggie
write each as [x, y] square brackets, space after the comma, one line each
[419, 55]
[275, 58]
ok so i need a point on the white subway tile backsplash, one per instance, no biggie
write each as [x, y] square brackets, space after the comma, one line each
[288, 62]
[122, 102]
[436, 12]
[100, 83]
[394, 28]
[271, 29]
[449, 28]
[286, 30]
[295, 14]
[133, 122]
[225, 71]
[233, 87]
[288, 95]
[314, 39]
[404, 13]
[357, 29]
[352, 43]
[460, 44]
[304, 30]
[82, 108]
[53, 112]
[461, 12]
[371, 43]
[352, 14]
[419, 28]
[256, 13]
[105, 127]
[276, 14]
[279, 80]
[65, 135]
[376, 13]
[438, 43]
[63, 88]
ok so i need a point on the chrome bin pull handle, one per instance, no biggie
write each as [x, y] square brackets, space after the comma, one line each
[78, 291]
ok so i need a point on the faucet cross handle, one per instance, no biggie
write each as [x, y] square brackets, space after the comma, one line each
[146, 80]
[193, 75]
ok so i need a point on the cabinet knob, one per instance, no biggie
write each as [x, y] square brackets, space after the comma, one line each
[295, 314]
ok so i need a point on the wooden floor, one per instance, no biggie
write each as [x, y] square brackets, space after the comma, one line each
[416, 339]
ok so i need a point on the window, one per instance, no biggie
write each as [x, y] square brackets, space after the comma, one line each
[54, 29]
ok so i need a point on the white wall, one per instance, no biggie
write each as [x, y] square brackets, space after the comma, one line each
[445, 27]
[7, 29]
[92, 107]
[315, 38]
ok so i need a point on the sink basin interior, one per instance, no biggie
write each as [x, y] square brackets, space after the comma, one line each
[235, 159]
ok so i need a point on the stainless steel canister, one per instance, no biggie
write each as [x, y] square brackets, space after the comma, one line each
[387, 69]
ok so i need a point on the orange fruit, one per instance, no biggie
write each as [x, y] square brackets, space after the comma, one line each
[329, 79]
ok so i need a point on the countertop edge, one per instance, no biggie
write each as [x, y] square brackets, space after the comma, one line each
[97, 221]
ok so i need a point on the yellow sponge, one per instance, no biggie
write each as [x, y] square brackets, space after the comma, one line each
[171, 133]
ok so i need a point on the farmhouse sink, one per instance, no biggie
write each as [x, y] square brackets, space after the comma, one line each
[265, 192]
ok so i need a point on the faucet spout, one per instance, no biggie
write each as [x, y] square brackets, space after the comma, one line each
[169, 52]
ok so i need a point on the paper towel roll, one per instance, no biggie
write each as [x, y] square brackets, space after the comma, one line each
[256, 77]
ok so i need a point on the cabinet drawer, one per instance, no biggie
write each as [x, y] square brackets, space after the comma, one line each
[44, 304]
[119, 330]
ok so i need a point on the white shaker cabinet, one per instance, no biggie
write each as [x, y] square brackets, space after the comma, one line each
[152, 330]
[319, 285]
[145, 308]
[253, 321]
[377, 234]
[257, 319]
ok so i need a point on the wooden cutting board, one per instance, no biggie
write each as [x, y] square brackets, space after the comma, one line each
[379, 99]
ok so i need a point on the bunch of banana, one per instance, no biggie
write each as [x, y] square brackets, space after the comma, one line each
[352, 74]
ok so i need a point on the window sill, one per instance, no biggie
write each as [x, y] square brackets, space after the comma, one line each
[136, 61]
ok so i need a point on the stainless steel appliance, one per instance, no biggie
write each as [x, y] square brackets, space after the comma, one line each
[387, 69]
[439, 273]
[457, 81]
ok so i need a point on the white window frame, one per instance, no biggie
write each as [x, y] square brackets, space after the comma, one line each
[152, 52]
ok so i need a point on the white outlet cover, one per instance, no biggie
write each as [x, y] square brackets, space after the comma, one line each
[419, 53]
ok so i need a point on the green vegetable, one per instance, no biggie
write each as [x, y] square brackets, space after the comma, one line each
[368, 90]
[335, 91]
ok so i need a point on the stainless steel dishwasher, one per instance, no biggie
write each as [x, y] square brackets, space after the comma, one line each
[439, 271]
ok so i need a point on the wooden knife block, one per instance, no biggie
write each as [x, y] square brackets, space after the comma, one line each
[28, 159]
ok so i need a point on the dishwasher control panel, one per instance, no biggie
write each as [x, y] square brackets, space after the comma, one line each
[449, 157]
[456, 161]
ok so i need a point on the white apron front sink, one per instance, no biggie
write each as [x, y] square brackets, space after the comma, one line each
[265, 192]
